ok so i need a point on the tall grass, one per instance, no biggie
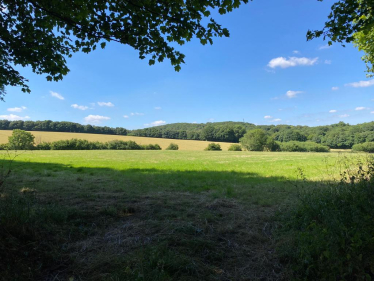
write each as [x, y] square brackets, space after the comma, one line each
[328, 234]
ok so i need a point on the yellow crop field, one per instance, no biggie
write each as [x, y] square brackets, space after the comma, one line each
[164, 143]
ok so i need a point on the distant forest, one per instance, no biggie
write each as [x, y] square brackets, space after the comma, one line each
[340, 135]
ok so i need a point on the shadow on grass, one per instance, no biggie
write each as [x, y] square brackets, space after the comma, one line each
[139, 224]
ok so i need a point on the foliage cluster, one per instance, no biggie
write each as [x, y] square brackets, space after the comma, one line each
[172, 146]
[235, 147]
[258, 140]
[328, 234]
[365, 147]
[296, 146]
[76, 144]
[213, 147]
[21, 140]
[51, 126]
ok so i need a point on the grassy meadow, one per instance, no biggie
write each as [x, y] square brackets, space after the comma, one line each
[190, 145]
[151, 215]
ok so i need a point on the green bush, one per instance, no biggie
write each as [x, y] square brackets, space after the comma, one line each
[254, 140]
[328, 234]
[235, 147]
[21, 139]
[123, 145]
[3, 146]
[365, 147]
[151, 147]
[172, 146]
[43, 146]
[296, 146]
[213, 146]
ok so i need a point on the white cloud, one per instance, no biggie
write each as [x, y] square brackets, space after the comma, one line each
[328, 61]
[335, 88]
[296, 52]
[276, 120]
[361, 108]
[125, 116]
[158, 107]
[344, 115]
[268, 117]
[17, 109]
[136, 114]
[12, 117]
[95, 119]
[81, 107]
[361, 84]
[333, 111]
[291, 61]
[327, 46]
[372, 112]
[156, 123]
[56, 95]
[293, 94]
[101, 103]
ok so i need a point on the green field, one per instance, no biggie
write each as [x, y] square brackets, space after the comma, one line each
[158, 215]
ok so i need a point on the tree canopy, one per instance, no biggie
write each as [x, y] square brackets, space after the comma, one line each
[350, 21]
[42, 33]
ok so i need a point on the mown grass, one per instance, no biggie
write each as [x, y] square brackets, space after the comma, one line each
[149, 215]
[189, 145]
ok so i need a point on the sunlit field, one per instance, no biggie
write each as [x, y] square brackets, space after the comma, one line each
[160, 215]
[164, 143]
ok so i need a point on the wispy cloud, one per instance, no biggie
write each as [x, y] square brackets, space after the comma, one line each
[268, 117]
[156, 123]
[327, 46]
[335, 88]
[296, 52]
[95, 119]
[136, 114]
[291, 62]
[101, 103]
[56, 95]
[361, 108]
[328, 61]
[125, 116]
[361, 84]
[158, 107]
[17, 109]
[333, 111]
[344, 115]
[276, 120]
[12, 117]
[293, 94]
[80, 107]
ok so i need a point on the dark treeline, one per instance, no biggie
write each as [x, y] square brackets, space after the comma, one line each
[63, 126]
[340, 135]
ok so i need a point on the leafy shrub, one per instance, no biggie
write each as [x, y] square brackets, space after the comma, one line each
[213, 146]
[43, 146]
[328, 234]
[123, 145]
[172, 146]
[365, 147]
[3, 146]
[254, 140]
[21, 139]
[296, 146]
[151, 147]
[72, 144]
[235, 147]
[271, 145]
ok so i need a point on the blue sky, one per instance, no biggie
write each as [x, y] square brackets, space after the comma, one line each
[265, 73]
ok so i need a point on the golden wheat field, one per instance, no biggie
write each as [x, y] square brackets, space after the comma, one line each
[55, 136]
